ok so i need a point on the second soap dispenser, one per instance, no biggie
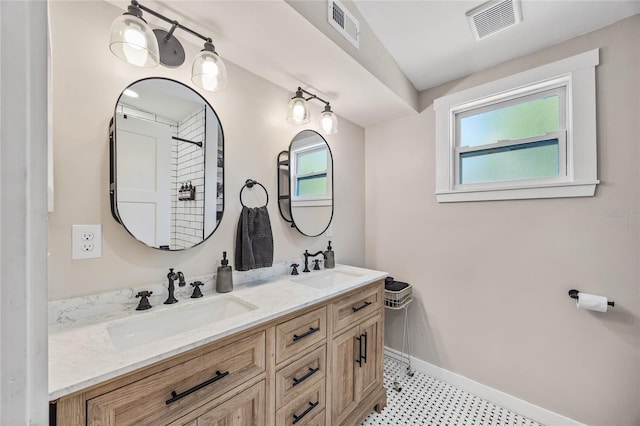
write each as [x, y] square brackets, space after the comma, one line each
[329, 258]
[224, 277]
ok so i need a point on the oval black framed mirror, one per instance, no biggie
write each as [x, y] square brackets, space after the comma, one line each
[167, 164]
[305, 183]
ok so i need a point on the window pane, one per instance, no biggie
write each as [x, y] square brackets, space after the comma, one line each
[312, 162]
[523, 120]
[312, 186]
[531, 160]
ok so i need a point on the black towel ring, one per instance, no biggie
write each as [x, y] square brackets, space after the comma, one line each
[249, 184]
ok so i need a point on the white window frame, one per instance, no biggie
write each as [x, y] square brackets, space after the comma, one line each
[309, 200]
[576, 137]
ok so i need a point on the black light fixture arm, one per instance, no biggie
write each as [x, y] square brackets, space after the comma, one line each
[174, 24]
[312, 96]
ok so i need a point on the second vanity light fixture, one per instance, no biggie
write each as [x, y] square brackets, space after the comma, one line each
[133, 41]
[298, 112]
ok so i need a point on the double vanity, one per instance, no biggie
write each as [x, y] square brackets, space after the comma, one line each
[304, 350]
[281, 350]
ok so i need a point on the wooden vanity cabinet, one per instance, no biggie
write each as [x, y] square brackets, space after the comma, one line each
[301, 368]
[357, 357]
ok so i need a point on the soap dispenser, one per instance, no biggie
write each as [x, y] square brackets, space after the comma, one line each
[224, 277]
[329, 258]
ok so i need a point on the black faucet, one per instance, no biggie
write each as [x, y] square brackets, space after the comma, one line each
[174, 276]
[307, 255]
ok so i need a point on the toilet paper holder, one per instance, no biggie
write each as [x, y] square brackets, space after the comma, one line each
[574, 295]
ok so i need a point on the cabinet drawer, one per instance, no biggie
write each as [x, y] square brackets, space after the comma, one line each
[350, 310]
[172, 393]
[300, 375]
[245, 408]
[295, 335]
[304, 408]
[318, 420]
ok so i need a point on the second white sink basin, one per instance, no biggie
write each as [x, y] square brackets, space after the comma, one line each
[152, 327]
[326, 278]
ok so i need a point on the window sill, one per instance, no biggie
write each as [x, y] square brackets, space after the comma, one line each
[315, 202]
[558, 190]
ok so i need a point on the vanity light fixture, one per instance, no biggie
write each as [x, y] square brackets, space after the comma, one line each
[133, 41]
[298, 111]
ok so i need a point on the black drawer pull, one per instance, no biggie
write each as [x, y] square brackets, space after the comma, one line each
[305, 334]
[312, 405]
[361, 306]
[176, 396]
[311, 372]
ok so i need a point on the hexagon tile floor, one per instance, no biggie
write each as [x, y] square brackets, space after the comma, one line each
[428, 401]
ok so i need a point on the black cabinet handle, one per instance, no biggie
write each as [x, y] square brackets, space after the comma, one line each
[364, 357]
[359, 360]
[176, 396]
[312, 405]
[356, 309]
[305, 334]
[311, 372]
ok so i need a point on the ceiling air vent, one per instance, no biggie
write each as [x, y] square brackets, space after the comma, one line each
[344, 22]
[494, 16]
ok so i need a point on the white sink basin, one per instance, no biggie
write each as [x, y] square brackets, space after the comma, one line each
[152, 327]
[326, 278]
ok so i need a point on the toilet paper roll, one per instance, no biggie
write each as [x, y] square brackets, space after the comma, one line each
[592, 302]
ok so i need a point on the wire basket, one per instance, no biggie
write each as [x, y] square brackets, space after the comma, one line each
[398, 299]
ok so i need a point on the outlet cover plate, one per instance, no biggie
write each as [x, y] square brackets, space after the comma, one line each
[86, 241]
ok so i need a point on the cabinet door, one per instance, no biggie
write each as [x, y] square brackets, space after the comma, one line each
[369, 373]
[245, 409]
[345, 352]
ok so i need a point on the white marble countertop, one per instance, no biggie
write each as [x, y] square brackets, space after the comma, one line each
[82, 353]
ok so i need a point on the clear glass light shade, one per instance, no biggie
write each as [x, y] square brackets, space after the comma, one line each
[208, 71]
[133, 41]
[298, 111]
[329, 122]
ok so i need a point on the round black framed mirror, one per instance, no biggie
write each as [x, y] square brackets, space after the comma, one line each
[167, 164]
[305, 175]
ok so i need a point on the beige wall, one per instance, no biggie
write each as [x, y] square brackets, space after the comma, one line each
[491, 278]
[87, 80]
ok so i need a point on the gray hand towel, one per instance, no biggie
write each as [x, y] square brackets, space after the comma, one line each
[254, 240]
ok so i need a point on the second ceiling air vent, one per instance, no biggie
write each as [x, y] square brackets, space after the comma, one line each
[494, 16]
[344, 22]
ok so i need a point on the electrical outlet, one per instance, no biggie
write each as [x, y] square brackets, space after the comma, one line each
[86, 241]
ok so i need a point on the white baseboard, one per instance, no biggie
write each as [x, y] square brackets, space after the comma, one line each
[499, 398]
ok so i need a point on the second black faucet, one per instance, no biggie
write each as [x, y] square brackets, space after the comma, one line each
[172, 276]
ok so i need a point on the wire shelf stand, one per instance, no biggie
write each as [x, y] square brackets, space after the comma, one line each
[400, 300]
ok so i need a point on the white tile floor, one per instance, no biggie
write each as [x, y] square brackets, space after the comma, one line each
[428, 401]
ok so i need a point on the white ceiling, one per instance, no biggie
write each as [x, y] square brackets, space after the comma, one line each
[432, 43]
[165, 98]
